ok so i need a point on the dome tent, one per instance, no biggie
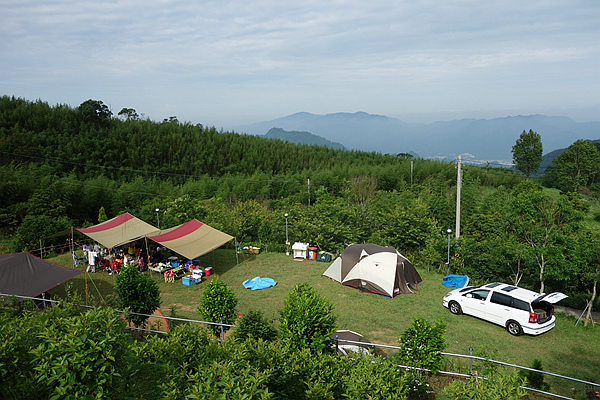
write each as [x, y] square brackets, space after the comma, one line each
[374, 269]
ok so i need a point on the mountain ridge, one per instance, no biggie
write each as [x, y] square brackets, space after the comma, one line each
[483, 139]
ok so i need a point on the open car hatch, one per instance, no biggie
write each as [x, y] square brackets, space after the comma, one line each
[551, 298]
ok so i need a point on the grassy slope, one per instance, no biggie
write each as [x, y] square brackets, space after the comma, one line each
[565, 350]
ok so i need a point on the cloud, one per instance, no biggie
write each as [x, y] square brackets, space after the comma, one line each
[339, 55]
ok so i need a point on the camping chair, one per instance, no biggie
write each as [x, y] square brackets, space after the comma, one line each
[169, 277]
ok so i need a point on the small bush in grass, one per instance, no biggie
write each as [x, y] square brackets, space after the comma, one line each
[254, 326]
[421, 345]
[138, 293]
[307, 320]
[535, 379]
[218, 305]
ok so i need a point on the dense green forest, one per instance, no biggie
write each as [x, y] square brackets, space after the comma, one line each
[63, 167]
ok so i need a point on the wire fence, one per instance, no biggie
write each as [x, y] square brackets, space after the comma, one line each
[470, 357]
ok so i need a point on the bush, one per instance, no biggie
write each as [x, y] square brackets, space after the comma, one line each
[138, 293]
[421, 345]
[218, 305]
[535, 379]
[60, 355]
[254, 326]
[307, 320]
[500, 385]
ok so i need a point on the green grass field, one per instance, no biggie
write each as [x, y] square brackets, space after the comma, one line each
[565, 350]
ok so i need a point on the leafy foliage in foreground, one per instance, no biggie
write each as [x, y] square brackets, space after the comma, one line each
[63, 355]
[137, 293]
[307, 320]
[218, 305]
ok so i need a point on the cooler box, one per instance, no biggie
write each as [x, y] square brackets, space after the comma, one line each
[312, 253]
[324, 257]
[208, 271]
[189, 281]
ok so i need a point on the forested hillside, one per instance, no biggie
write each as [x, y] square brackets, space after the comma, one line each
[64, 166]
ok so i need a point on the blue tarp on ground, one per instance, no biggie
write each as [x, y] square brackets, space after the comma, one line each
[457, 281]
[259, 283]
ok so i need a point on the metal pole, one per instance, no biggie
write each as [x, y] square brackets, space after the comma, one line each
[470, 361]
[287, 240]
[448, 262]
[157, 218]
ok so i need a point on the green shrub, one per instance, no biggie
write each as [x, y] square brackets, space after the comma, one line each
[81, 356]
[137, 292]
[500, 385]
[253, 325]
[421, 345]
[534, 379]
[307, 320]
[218, 305]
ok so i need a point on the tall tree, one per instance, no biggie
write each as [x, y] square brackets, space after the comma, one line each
[543, 224]
[527, 152]
[578, 165]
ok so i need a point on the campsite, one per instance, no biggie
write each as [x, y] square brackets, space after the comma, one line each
[380, 319]
[62, 171]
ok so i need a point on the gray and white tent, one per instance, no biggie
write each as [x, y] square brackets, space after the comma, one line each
[374, 269]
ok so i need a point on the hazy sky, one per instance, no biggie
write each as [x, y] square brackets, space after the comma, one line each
[233, 62]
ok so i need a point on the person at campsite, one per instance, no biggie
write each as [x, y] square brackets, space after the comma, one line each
[91, 261]
[131, 249]
[141, 263]
[86, 249]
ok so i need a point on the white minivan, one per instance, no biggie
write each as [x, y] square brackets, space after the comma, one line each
[518, 310]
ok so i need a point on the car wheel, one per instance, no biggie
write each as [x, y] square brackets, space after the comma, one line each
[514, 328]
[455, 308]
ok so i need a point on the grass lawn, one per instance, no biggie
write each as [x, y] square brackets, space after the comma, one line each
[565, 350]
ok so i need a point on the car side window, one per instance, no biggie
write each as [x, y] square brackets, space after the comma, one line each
[480, 294]
[502, 299]
[521, 305]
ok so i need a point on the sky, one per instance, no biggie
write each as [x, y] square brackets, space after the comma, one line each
[226, 63]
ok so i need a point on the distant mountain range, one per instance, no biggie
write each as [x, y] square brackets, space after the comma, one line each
[301, 138]
[478, 140]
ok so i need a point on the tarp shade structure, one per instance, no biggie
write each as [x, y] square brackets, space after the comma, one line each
[192, 239]
[375, 269]
[119, 230]
[23, 274]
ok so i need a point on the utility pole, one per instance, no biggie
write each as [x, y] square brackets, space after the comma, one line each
[458, 187]
[309, 191]
[411, 173]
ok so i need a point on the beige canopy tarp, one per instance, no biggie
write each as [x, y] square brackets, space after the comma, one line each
[192, 239]
[120, 230]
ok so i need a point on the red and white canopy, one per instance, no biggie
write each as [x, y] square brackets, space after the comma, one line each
[119, 230]
[192, 239]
